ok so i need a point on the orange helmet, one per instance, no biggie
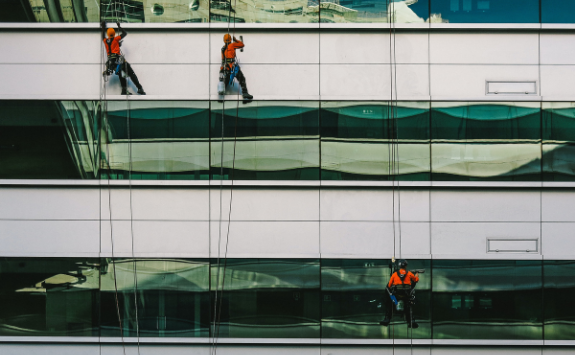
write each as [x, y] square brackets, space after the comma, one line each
[227, 38]
[111, 33]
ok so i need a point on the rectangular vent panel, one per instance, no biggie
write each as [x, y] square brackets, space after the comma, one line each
[511, 88]
[512, 245]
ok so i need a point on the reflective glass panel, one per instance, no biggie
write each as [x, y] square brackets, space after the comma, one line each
[372, 11]
[50, 11]
[485, 11]
[155, 11]
[167, 140]
[559, 283]
[559, 141]
[487, 299]
[486, 141]
[171, 295]
[265, 140]
[261, 11]
[267, 298]
[48, 139]
[49, 296]
[354, 300]
[360, 141]
[557, 11]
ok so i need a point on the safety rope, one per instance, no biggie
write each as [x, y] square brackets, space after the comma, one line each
[218, 305]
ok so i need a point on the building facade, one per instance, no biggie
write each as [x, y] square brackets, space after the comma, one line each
[187, 222]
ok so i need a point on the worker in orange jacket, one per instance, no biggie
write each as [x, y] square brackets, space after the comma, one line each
[401, 286]
[112, 44]
[229, 64]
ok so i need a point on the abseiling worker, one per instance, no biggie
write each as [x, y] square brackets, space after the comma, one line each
[401, 285]
[115, 58]
[230, 65]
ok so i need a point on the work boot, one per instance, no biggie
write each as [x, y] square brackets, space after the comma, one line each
[385, 322]
[245, 94]
[125, 92]
[141, 91]
[412, 325]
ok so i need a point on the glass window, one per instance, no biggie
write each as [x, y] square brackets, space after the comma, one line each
[559, 141]
[267, 298]
[485, 11]
[48, 139]
[354, 300]
[169, 140]
[486, 141]
[372, 11]
[155, 11]
[49, 296]
[277, 11]
[557, 11]
[265, 140]
[485, 299]
[171, 295]
[359, 141]
[50, 11]
[559, 283]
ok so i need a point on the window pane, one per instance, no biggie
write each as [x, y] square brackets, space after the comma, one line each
[354, 300]
[50, 11]
[485, 11]
[481, 299]
[169, 140]
[275, 140]
[277, 11]
[371, 11]
[48, 139]
[172, 298]
[359, 141]
[557, 11]
[155, 11]
[49, 296]
[559, 283]
[267, 298]
[486, 141]
[559, 141]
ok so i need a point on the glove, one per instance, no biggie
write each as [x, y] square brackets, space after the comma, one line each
[235, 39]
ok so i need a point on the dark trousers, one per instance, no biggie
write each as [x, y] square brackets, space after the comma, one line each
[241, 79]
[407, 306]
[128, 70]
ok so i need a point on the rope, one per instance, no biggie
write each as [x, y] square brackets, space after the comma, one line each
[218, 310]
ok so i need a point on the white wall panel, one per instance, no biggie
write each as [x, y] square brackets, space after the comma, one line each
[557, 81]
[372, 48]
[484, 48]
[171, 204]
[50, 47]
[267, 239]
[557, 48]
[470, 239]
[166, 47]
[116, 238]
[52, 203]
[413, 240]
[558, 206]
[49, 349]
[356, 240]
[266, 204]
[159, 349]
[558, 240]
[176, 238]
[374, 350]
[180, 80]
[271, 48]
[274, 81]
[71, 81]
[49, 238]
[482, 205]
[469, 80]
[115, 203]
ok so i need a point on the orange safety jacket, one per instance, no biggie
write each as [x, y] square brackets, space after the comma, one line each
[229, 53]
[409, 279]
[112, 45]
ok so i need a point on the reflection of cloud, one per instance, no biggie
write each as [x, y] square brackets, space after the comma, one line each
[402, 13]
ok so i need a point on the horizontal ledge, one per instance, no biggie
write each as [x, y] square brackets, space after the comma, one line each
[284, 341]
[285, 183]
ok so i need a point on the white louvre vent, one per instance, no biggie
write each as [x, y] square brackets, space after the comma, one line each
[512, 245]
[511, 88]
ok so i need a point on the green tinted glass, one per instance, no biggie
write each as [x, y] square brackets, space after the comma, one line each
[558, 141]
[559, 283]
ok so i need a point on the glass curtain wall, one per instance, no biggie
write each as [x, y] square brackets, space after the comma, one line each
[485, 11]
[559, 284]
[265, 140]
[375, 141]
[559, 141]
[486, 141]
